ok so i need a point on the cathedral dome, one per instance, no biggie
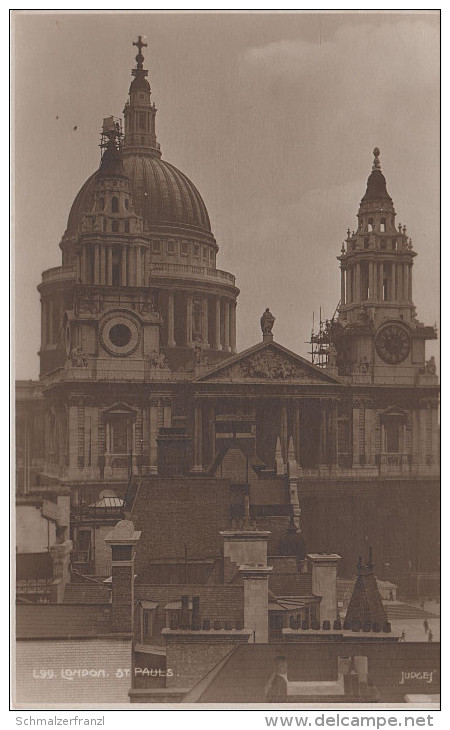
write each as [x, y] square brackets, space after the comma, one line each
[161, 194]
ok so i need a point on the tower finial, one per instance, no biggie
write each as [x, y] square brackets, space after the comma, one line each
[140, 45]
[376, 162]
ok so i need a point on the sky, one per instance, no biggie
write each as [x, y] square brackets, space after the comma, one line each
[273, 116]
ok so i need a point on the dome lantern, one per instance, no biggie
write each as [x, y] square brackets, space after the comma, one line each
[139, 112]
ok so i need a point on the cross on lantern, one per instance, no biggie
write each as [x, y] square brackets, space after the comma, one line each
[139, 44]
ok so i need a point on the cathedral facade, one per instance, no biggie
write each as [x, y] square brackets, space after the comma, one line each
[143, 398]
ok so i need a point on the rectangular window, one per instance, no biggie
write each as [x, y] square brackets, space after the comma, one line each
[147, 623]
[184, 248]
[171, 247]
[119, 433]
[196, 250]
[205, 252]
[392, 438]
[156, 247]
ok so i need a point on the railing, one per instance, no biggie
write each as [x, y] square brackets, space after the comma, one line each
[189, 271]
[60, 272]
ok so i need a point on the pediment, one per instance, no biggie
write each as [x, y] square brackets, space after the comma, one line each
[393, 412]
[120, 409]
[267, 363]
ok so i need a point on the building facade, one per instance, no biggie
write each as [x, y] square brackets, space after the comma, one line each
[141, 389]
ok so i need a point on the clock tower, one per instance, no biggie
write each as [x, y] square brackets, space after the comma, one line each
[377, 334]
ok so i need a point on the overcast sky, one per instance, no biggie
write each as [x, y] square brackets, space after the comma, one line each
[272, 116]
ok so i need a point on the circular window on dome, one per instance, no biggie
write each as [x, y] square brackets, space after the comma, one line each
[120, 335]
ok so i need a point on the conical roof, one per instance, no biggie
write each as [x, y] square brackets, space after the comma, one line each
[365, 604]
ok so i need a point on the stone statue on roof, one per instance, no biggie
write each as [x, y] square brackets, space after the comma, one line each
[267, 321]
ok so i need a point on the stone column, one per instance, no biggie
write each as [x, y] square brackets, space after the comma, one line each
[212, 430]
[84, 268]
[233, 326]
[153, 431]
[380, 282]
[122, 540]
[434, 433]
[394, 281]
[405, 282]
[399, 281]
[73, 436]
[410, 282]
[334, 434]
[96, 264]
[198, 443]
[188, 320]
[94, 440]
[372, 280]
[109, 255]
[226, 325]
[43, 322]
[123, 267]
[138, 258]
[102, 264]
[416, 436]
[342, 286]
[284, 430]
[217, 344]
[205, 320]
[170, 321]
[167, 412]
[297, 420]
[356, 452]
[368, 428]
[107, 449]
[323, 434]
[358, 282]
[424, 440]
[134, 466]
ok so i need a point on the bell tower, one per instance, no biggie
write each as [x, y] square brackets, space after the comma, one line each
[377, 333]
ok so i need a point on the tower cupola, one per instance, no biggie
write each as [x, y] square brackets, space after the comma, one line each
[139, 112]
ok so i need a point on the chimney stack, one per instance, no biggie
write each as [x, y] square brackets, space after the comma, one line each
[123, 540]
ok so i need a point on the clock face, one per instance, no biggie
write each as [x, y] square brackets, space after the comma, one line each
[393, 344]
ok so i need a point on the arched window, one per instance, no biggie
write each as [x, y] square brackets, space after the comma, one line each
[115, 205]
[115, 226]
[383, 225]
[127, 205]
[370, 225]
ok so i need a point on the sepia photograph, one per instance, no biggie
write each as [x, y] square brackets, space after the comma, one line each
[226, 424]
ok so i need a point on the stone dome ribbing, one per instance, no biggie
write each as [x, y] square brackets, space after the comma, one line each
[161, 194]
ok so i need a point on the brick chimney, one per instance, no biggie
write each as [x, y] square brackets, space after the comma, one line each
[123, 540]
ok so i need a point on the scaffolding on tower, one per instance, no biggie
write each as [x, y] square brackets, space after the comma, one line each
[321, 339]
[111, 130]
